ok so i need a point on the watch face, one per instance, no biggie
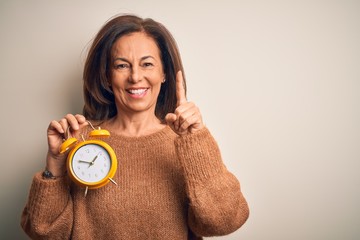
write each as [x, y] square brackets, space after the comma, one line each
[91, 163]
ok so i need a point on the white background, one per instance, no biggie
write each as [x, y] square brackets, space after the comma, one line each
[278, 83]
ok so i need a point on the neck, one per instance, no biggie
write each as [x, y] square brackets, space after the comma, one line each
[135, 125]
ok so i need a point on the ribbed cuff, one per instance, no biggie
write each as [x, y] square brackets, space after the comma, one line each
[199, 155]
[48, 197]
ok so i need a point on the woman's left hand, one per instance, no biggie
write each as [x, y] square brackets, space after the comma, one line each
[187, 117]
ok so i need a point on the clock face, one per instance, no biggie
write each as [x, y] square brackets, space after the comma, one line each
[91, 163]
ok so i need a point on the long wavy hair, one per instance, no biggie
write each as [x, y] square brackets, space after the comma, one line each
[98, 96]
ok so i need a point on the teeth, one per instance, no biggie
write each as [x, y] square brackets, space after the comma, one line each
[137, 91]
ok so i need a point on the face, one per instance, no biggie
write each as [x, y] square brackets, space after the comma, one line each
[136, 73]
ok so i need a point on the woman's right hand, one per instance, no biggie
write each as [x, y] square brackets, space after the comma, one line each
[56, 131]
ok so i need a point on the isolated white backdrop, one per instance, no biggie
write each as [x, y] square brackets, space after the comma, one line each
[278, 83]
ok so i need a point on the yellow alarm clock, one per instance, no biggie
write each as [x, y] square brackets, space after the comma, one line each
[92, 163]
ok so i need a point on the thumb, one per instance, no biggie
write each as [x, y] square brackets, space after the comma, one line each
[170, 118]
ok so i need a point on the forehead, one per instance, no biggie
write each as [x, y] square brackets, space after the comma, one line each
[136, 44]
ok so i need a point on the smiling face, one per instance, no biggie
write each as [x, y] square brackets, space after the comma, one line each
[136, 73]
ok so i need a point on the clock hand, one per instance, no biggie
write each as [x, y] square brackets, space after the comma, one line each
[84, 161]
[93, 161]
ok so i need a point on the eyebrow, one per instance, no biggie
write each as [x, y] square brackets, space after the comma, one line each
[125, 60]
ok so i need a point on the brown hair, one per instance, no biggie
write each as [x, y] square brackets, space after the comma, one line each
[98, 96]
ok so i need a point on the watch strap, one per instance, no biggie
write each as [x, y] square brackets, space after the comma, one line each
[47, 175]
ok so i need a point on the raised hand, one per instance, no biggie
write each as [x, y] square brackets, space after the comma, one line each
[187, 117]
[56, 131]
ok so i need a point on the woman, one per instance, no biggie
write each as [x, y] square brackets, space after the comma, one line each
[172, 183]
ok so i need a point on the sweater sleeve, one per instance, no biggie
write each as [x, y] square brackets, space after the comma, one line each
[217, 206]
[48, 213]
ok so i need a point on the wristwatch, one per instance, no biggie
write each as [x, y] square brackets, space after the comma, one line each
[47, 174]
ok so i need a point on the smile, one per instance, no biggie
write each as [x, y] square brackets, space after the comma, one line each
[139, 92]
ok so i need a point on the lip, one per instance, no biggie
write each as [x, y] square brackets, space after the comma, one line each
[137, 92]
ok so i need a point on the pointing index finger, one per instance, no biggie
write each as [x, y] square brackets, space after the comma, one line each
[180, 89]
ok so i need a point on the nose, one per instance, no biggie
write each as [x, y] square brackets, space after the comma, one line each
[136, 75]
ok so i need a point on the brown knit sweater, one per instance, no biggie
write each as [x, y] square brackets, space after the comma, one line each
[169, 187]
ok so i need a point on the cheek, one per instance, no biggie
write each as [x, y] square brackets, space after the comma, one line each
[117, 80]
[156, 91]
[158, 77]
[156, 85]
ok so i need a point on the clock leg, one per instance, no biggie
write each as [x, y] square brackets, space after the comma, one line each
[112, 180]
[86, 190]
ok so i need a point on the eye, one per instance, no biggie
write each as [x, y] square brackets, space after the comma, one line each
[122, 66]
[148, 64]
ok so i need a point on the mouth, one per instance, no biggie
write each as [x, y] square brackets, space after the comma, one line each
[137, 92]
